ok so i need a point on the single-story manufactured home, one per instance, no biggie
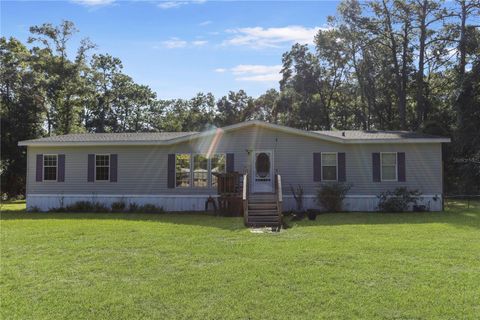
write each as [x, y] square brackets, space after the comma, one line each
[177, 170]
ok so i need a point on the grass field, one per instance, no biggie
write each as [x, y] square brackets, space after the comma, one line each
[341, 266]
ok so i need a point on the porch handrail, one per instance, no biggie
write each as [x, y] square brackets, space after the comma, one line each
[245, 198]
[278, 189]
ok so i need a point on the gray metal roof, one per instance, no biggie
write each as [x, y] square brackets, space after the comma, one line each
[375, 135]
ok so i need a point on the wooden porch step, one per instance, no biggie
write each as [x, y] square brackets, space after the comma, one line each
[262, 212]
[264, 205]
[262, 200]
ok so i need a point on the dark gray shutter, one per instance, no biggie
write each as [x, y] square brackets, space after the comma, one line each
[171, 171]
[113, 167]
[317, 166]
[401, 166]
[39, 172]
[376, 166]
[342, 169]
[91, 168]
[61, 168]
[230, 162]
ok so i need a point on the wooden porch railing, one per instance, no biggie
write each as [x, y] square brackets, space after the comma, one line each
[278, 191]
[245, 198]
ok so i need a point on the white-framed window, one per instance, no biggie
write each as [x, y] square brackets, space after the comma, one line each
[102, 167]
[388, 166]
[200, 170]
[183, 175]
[50, 167]
[195, 170]
[218, 164]
[329, 166]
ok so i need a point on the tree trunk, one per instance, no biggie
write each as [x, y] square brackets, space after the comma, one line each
[421, 66]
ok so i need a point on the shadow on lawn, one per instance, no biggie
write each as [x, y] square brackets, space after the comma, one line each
[181, 218]
[456, 213]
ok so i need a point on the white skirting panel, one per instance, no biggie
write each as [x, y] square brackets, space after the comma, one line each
[359, 202]
[45, 202]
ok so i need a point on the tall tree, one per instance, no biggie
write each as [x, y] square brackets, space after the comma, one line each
[103, 78]
[21, 111]
[63, 79]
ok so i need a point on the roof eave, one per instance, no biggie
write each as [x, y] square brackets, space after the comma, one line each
[211, 132]
[398, 141]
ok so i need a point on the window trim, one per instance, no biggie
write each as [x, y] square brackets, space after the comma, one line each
[95, 167]
[396, 167]
[209, 169]
[210, 175]
[192, 168]
[191, 172]
[43, 168]
[336, 166]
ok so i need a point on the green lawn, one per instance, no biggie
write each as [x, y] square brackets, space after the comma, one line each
[341, 266]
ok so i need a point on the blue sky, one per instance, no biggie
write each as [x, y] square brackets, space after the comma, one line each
[184, 47]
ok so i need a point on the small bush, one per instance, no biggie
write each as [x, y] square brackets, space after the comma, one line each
[33, 209]
[146, 208]
[83, 206]
[133, 207]
[80, 206]
[398, 200]
[150, 208]
[100, 207]
[330, 196]
[58, 210]
[286, 219]
[119, 206]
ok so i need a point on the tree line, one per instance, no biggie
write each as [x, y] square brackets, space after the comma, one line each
[378, 65]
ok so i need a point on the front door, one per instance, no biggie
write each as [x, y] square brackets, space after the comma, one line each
[262, 171]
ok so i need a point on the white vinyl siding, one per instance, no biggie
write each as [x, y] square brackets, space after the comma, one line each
[144, 169]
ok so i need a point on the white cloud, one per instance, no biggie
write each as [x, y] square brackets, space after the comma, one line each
[94, 3]
[205, 23]
[176, 4]
[199, 43]
[254, 72]
[174, 43]
[259, 37]
[255, 69]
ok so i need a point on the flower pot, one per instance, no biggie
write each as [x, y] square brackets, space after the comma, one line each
[311, 215]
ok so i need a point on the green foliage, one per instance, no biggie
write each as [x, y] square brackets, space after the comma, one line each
[398, 200]
[119, 206]
[83, 206]
[150, 208]
[133, 207]
[330, 196]
[146, 208]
